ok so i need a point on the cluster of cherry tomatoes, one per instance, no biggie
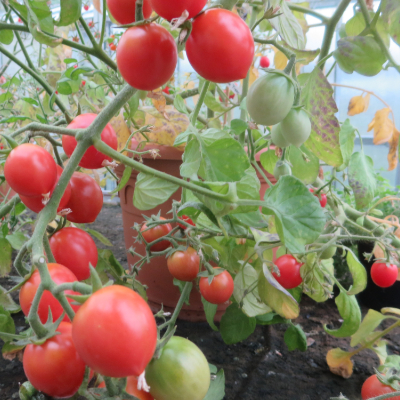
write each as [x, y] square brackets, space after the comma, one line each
[185, 265]
[147, 54]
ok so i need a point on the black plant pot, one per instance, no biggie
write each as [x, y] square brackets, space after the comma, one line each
[374, 296]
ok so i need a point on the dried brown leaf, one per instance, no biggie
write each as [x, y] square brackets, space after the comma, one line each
[383, 126]
[358, 104]
[393, 155]
[340, 363]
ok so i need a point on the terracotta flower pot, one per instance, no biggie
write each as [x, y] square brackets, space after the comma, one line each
[161, 290]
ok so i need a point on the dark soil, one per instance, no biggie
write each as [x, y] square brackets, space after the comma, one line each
[261, 367]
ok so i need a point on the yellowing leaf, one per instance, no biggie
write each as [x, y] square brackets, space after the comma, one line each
[280, 60]
[382, 126]
[158, 101]
[121, 129]
[358, 104]
[340, 363]
[253, 75]
[393, 155]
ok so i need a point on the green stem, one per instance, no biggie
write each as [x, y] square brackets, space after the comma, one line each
[200, 102]
[103, 23]
[33, 317]
[47, 249]
[139, 11]
[261, 172]
[9, 205]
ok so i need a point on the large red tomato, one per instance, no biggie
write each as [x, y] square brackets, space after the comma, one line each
[289, 269]
[220, 290]
[36, 203]
[30, 170]
[75, 249]
[92, 159]
[372, 387]
[55, 367]
[123, 11]
[156, 233]
[86, 199]
[220, 47]
[115, 332]
[59, 274]
[147, 56]
[174, 9]
[184, 265]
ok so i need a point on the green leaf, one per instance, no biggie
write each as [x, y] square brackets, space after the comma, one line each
[134, 104]
[304, 57]
[5, 97]
[235, 325]
[6, 323]
[394, 26]
[216, 391]
[99, 237]
[30, 101]
[317, 96]
[191, 160]
[295, 338]
[70, 61]
[210, 310]
[151, 191]
[124, 179]
[361, 54]
[248, 188]
[305, 169]
[17, 240]
[351, 314]
[268, 160]
[5, 257]
[370, 322]
[191, 208]
[211, 102]
[238, 126]
[358, 273]
[287, 25]
[7, 302]
[252, 304]
[179, 104]
[70, 12]
[362, 179]
[6, 36]
[276, 297]
[299, 217]
[347, 136]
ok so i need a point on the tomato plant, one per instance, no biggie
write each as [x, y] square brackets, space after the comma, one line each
[61, 369]
[152, 234]
[175, 10]
[125, 349]
[75, 249]
[220, 290]
[181, 372]
[220, 47]
[30, 170]
[289, 272]
[184, 265]
[372, 387]
[123, 11]
[86, 199]
[147, 56]
[59, 274]
[384, 275]
[93, 158]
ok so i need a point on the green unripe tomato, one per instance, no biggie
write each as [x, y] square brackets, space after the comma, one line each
[270, 98]
[181, 372]
[277, 137]
[296, 127]
[328, 253]
[282, 168]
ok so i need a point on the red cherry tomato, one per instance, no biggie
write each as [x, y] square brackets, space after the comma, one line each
[86, 7]
[55, 367]
[219, 291]
[184, 265]
[59, 274]
[220, 47]
[372, 387]
[322, 200]
[156, 233]
[147, 56]
[264, 62]
[186, 219]
[289, 269]
[86, 199]
[92, 159]
[75, 249]
[113, 47]
[174, 9]
[36, 204]
[384, 275]
[115, 332]
[123, 11]
[30, 170]
[166, 90]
